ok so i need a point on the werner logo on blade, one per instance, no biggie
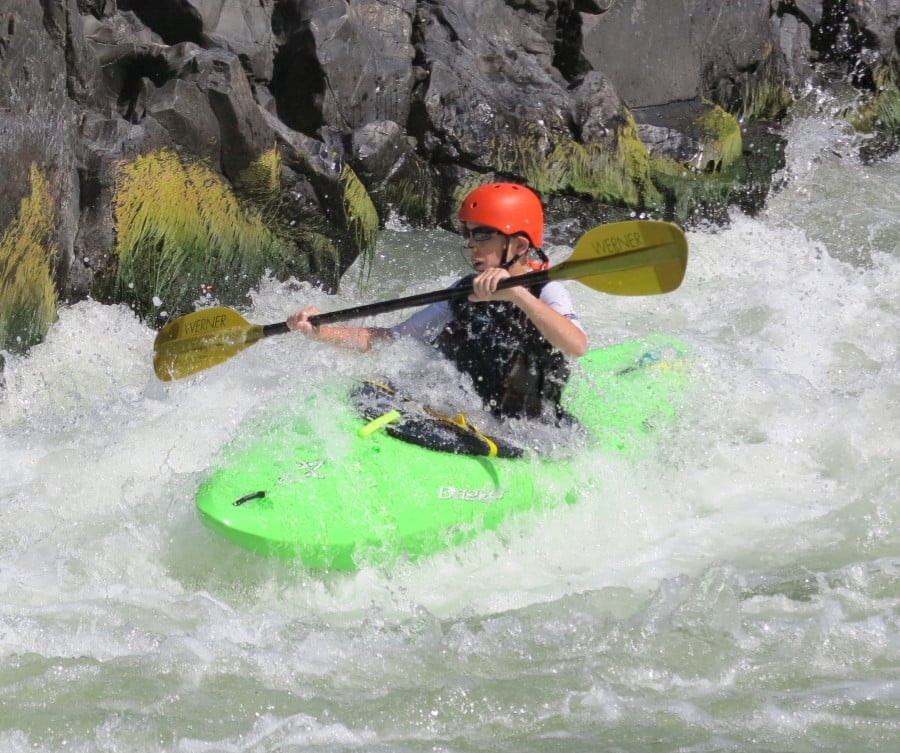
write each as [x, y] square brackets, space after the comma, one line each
[198, 326]
[617, 244]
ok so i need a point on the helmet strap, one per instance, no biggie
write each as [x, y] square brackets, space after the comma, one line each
[509, 262]
[543, 262]
[540, 265]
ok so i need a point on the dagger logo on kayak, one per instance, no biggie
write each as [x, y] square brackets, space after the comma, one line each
[471, 495]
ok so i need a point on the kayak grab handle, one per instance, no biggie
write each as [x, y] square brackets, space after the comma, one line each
[378, 423]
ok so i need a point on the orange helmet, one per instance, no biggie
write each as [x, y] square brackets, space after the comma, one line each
[508, 207]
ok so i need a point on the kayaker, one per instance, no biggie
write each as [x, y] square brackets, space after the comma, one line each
[513, 343]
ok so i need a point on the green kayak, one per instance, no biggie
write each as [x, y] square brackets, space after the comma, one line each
[368, 476]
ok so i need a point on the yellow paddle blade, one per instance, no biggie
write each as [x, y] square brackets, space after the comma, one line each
[636, 257]
[197, 341]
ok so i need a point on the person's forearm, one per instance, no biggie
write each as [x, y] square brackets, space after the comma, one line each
[352, 338]
[557, 329]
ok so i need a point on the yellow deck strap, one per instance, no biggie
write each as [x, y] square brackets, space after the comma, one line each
[491, 445]
[381, 385]
[461, 423]
[378, 423]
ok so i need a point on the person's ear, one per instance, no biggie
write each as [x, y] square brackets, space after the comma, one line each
[521, 244]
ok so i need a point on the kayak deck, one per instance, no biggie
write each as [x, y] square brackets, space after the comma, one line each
[310, 488]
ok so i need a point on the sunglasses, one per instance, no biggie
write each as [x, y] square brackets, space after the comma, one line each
[478, 234]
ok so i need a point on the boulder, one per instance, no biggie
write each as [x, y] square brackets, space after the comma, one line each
[662, 51]
[342, 65]
[490, 86]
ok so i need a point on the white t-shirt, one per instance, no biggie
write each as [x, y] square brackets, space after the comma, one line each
[427, 324]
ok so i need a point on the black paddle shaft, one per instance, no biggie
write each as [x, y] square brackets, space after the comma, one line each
[621, 261]
[421, 299]
[410, 301]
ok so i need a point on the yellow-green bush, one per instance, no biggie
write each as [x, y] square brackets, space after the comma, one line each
[706, 186]
[27, 255]
[260, 182]
[888, 110]
[720, 134]
[616, 171]
[881, 110]
[765, 96]
[691, 194]
[411, 194]
[181, 232]
[359, 211]
[878, 113]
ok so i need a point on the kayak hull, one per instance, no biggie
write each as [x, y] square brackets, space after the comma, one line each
[309, 488]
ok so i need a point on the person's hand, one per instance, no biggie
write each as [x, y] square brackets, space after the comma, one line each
[299, 321]
[484, 286]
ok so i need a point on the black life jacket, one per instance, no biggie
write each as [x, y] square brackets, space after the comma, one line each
[515, 371]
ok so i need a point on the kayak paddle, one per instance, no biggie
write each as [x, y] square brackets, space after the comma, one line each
[636, 257]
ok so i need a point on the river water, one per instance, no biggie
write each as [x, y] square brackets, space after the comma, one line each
[737, 588]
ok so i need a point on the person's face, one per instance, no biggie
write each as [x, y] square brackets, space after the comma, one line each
[486, 245]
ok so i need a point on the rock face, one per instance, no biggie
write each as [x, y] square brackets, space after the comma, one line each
[343, 65]
[694, 48]
[311, 121]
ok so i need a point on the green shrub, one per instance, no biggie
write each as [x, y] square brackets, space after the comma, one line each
[27, 253]
[182, 234]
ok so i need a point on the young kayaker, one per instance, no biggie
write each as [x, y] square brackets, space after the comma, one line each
[513, 343]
